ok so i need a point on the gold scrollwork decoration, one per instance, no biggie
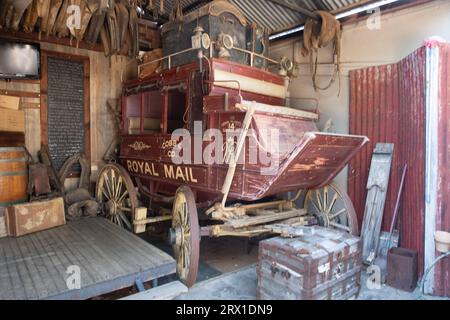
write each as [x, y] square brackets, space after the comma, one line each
[139, 146]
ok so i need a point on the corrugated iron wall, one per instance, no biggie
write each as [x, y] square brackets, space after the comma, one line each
[442, 269]
[387, 104]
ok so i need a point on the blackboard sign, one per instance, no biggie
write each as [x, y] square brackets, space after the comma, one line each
[65, 109]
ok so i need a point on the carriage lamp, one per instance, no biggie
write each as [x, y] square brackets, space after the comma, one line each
[225, 43]
[200, 39]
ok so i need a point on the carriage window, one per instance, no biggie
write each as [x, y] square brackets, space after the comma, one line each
[149, 105]
[177, 116]
[152, 108]
[133, 113]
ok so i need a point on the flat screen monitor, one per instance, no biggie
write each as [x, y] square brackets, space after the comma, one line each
[19, 60]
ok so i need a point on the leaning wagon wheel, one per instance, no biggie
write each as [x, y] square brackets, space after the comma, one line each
[185, 235]
[116, 195]
[333, 208]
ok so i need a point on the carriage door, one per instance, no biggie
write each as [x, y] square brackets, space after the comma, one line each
[177, 109]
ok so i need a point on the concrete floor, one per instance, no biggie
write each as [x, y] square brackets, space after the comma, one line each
[237, 280]
[227, 271]
[241, 285]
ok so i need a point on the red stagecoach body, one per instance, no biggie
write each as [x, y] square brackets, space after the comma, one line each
[154, 107]
[210, 93]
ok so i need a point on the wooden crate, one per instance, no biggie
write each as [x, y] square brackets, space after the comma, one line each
[12, 120]
[9, 102]
[321, 264]
[26, 218]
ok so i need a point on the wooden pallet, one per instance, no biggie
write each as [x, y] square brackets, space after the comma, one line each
[38, 266]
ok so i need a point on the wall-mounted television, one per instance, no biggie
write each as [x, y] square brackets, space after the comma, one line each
[19, 60]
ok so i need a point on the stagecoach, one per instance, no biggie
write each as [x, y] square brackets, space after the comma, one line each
[243, 195]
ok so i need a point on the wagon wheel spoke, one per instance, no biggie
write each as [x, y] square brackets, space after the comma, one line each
[337, 214]
[325, 198]
[116, 195]
[113, 182]
[319, 200]
[340, 226]
[125, 220]
[105, 194]
[333, 201]
[117, 220]
[310, 198]
[185, 235]
[332, 208]
[119, 188]
[106, 180]
[122, 197]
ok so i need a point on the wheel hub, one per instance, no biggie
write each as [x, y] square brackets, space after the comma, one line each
[175, 236]
[111, 207]
[323, 219]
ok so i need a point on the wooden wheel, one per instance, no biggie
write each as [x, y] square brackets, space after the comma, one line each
[333, 208]
[116, 195]
[185, 235]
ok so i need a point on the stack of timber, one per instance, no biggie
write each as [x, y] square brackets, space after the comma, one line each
[316, 263]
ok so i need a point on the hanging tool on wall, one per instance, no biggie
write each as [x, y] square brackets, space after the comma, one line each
[318, 34]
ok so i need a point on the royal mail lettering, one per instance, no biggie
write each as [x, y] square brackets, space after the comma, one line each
[169, 171]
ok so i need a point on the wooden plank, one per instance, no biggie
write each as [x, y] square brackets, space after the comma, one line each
[3, 232]
[277, 110]
[44, 98]
[377, 185]
[35, 272]
[22, 94]
[30, 105]
[165, 292]
[9, 261]
[32, 130]
[47, 261]
[23, 273]
[251, 221]
[87, 110]
[38, 38]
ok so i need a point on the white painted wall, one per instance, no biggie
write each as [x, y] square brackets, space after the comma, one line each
[400, 33]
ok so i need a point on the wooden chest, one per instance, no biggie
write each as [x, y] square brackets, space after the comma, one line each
[320, 264]
[26, 218]
[216, 18]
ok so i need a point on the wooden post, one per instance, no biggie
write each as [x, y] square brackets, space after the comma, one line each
[233, 159]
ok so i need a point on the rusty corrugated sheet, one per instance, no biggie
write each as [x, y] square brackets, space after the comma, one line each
[387, 104]
[442, 269]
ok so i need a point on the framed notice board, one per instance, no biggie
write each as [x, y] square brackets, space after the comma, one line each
[65, 106]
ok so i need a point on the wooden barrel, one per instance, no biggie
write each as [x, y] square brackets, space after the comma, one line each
[13, 176]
